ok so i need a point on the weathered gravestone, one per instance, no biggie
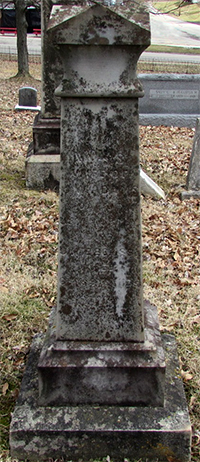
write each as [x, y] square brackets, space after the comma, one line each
[170, 99]
[193, 178]
[108, 383]
[27, 99]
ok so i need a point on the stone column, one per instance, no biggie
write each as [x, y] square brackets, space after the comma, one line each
[100, 303]
[43, 157]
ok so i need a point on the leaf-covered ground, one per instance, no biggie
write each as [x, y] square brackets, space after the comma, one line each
[28, 242]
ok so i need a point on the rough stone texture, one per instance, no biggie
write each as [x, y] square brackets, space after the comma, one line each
[103, 372]
[168, 120]
[85, 432]
[46, 135]
[100, 232]
[43, 173]
[52, 70]
[100, 287]
[190, 194]
[170, 99]
[193, 178]
[42, 167]
[46, 128]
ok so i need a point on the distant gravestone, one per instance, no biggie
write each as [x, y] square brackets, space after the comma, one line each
[27, 99]
[170, 99]
[193, 178]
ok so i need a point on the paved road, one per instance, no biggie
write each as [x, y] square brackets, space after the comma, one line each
[8, 44]
[165, 30]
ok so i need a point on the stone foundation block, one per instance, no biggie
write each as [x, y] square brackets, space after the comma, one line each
[95, 431]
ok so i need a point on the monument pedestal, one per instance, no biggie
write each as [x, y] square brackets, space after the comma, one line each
[104, 373]
[42, 167]
[88, 431]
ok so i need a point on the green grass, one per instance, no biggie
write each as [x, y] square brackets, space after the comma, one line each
[173, 49]
[187, 12]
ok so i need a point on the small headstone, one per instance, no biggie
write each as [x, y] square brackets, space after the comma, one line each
[27, 99]
[193, 178]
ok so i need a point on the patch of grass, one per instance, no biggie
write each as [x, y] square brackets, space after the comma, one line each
[173, 49]
[162, 67]
[186, 12]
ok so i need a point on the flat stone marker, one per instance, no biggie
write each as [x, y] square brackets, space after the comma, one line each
[27, 99]
[104, 384]
[193, 178]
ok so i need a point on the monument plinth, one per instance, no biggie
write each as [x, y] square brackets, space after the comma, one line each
[103, 348]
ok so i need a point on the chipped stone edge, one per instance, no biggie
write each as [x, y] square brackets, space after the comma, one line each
[75, 432]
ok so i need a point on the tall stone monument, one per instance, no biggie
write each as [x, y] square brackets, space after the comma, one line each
[103, 381]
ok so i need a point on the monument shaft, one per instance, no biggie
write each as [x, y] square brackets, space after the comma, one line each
[100, 287]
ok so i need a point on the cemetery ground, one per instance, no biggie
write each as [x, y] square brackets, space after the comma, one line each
[28, 241]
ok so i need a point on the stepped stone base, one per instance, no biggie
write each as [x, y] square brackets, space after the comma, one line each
[190, 194]
[105, 373]
[92, 431]
[43, 171]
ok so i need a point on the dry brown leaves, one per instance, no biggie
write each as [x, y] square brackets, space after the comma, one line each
[29, 228]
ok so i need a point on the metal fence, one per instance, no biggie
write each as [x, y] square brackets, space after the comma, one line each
[9, 54]
[153, 66]
[145, 65]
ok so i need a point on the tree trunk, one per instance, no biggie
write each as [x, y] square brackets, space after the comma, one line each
[22, 49]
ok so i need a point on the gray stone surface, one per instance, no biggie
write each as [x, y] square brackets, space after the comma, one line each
[170, 99]
[27, 96]
[104, 372]
[100, 231]
[100, 222]
[43, 172]
[85, 432]
[193, 177]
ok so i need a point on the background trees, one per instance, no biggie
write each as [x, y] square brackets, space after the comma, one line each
[20, 7]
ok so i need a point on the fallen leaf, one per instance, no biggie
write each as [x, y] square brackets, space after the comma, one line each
[5, 388]
[4, 289]
[192, 402]
[186, 375]
[9, 317]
